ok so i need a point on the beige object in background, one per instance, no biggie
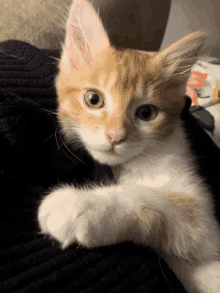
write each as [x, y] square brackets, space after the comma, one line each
[32, 21]
[131, 23]
[138, 24]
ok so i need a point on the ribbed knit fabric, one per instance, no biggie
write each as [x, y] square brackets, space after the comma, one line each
[33, 158]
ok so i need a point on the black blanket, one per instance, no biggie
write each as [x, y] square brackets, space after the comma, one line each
[33, 157]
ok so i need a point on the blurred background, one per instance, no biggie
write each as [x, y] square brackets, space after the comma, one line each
[138, 24]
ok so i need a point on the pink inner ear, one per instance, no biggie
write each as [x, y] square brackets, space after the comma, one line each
[85, 34]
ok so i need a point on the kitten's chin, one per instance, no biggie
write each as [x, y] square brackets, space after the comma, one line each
[113, 158]
[107, 158]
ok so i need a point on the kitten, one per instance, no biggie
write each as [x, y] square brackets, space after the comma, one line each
[124, 106]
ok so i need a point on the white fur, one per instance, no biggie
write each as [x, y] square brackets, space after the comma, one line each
[201, 278]
[108, 215]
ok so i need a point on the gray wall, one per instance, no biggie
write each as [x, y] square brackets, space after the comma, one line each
[187, 16]
[136, 24]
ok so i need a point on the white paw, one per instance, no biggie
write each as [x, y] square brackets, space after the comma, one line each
[72, 216]
[207, 278]
[203, 278]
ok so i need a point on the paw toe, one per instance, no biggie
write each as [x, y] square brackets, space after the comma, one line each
[55, 221]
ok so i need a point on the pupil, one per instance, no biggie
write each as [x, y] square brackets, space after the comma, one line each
[94, 99]
[145, 112]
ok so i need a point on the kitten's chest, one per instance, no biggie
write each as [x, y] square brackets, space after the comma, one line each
[172, 171]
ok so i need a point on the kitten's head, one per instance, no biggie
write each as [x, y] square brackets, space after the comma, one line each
[119, 102]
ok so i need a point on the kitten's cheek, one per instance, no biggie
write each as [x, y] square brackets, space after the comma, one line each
[65, 106]
[66, 110]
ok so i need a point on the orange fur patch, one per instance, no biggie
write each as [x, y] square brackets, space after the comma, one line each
[124, 75]
[215, 93]
[161, 232]
[185, 205]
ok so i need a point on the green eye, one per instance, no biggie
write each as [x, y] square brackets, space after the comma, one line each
[94, 100]
[146, 112]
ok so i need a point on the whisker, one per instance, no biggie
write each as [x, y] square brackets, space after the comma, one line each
[57, 139]
[58, 114]
[148, 154]
[50, 136]
[55, 134]
[154, 152]
[55, 58]
[75, 144]
[163, 272]
[71, 152]
[160, 143]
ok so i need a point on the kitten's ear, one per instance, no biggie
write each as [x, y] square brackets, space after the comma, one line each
[85, 35]
[178, 59]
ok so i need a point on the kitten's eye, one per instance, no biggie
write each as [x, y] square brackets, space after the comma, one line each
[146, 112]
[94, 100]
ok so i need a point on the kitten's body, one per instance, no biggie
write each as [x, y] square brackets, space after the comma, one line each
[159, 200]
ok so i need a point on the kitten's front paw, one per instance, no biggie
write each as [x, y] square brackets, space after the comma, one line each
[72, 216]
[207, 278]
[57, 215]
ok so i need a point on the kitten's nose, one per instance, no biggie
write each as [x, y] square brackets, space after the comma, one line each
[115, 135]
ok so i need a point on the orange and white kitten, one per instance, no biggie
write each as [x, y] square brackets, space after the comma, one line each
[124, 106]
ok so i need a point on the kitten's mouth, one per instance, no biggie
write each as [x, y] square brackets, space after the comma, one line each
[107, 156]
[111, 152]
[106, 151]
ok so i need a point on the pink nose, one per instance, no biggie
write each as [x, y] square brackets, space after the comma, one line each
[115, 135]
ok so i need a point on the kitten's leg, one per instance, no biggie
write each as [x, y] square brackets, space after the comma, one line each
[200, 278]
[88, 217]
[108, 215]
[100, 216]
[193, 251]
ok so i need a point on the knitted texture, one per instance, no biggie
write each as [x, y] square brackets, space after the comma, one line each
[33, 158]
